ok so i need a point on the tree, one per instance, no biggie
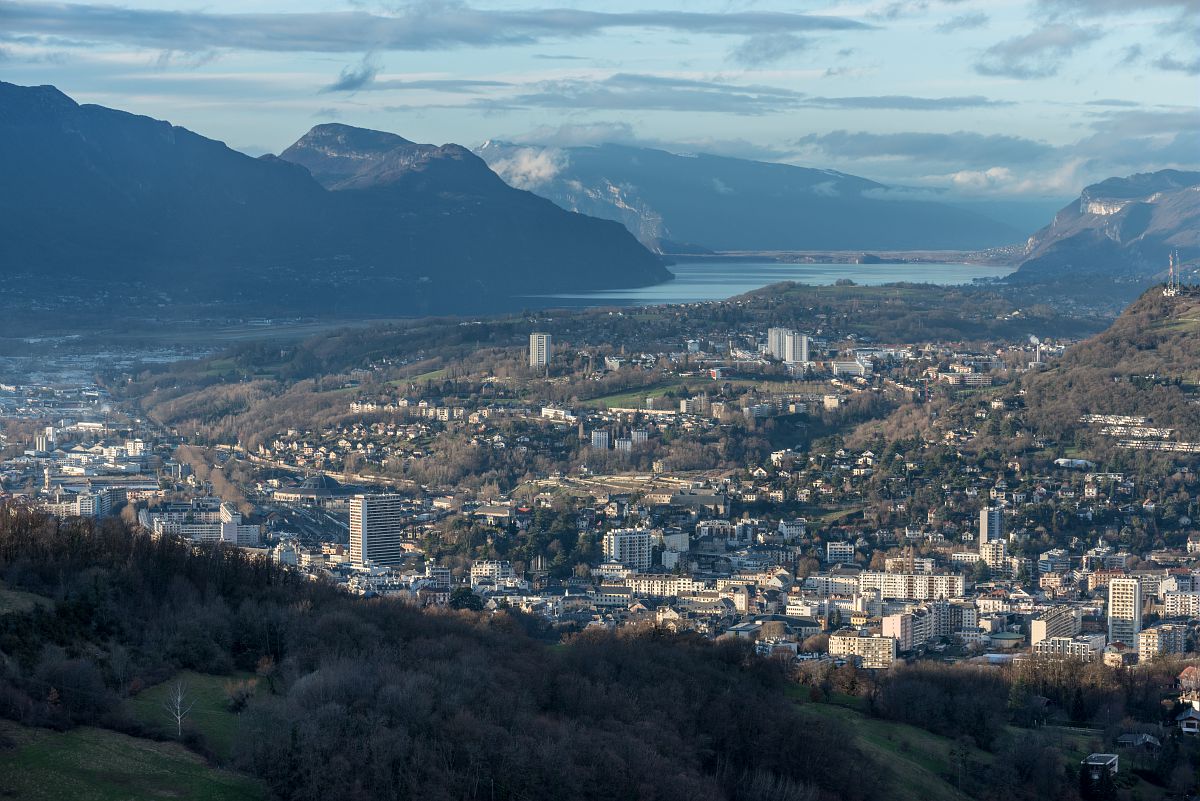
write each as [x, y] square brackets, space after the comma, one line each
[178, 705]
[266, 669]
[464, 598]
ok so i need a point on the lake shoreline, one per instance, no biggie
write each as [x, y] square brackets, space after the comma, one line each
[715, 280]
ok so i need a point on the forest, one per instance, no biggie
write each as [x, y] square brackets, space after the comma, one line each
[377, 699]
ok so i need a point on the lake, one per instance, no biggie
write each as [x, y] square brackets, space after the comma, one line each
[712, 280]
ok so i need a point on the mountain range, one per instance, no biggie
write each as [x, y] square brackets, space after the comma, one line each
[346, 220]
[680, 203]
[1121, 229]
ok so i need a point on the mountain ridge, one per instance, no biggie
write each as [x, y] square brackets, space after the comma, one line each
[725, 203]
[103, 196]
[1122, 228]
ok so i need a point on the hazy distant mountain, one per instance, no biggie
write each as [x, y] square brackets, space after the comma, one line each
[734, 204]
[1121, 228]
[109, 199]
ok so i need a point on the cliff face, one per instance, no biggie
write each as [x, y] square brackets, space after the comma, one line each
[1120, 228]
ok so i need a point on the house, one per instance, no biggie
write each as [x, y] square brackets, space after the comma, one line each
[1139, 741]
[1095, 764]
[1189, 720]
[1189, 678]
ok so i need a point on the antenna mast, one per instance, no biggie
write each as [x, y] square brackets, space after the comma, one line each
[1172, 288]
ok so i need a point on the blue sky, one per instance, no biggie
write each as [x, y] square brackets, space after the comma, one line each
[1003, 98]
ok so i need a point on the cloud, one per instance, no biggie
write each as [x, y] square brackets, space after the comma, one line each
[327, 113]
[1109, 101]
[1035, 55]
[352, 79]
[1131, 54]
[365, 77]
[579, 134]
[640, 92]
[768, 48]
[963, 22]
[964, 148]
[898, 9]
[1064, 179]
[428, 25]
[1121, 140]
[1171, 64]
[530, 167]
[907, 102]
[622, 133]
[1093, 7]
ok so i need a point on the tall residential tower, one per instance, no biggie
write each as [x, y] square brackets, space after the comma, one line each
[376, 529]
[540, 346]
[1124, 610]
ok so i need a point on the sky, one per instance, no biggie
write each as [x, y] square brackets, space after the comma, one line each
[996, 99]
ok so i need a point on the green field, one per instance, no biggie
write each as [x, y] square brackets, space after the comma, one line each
[635, 399]
[920, 761]
[922, 765]
[96, 765]
[210, 715]
[17, 601]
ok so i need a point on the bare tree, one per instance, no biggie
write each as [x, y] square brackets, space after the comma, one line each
[120, 663]
[178, 704]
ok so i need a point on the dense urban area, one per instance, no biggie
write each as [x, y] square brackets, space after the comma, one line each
[988, 539]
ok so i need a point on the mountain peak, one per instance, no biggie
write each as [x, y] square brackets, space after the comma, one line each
[18, 100]
[348, 138]
[102, 195]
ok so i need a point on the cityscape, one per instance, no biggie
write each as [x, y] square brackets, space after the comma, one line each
[652, 453]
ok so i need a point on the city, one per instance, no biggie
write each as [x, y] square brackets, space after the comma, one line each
[492, 402]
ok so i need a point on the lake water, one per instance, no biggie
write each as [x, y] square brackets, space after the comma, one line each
[712, 280]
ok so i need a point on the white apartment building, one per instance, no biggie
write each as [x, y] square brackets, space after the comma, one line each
[376, 529]
[540, 349]
[662, 585]
[839, 553]
[203, 523]
[919, 624]
[776, 342]
[1082, 646]
[991, 525]
[1168, 638]
[912, 586]
[1181, 604]
[795, 348]
[629, 546]
[491, 570]
[873, 652]
[1060, 621]
[900, 564]
[826, 585]
[994, 554]
[794, 528]
[1124, 610]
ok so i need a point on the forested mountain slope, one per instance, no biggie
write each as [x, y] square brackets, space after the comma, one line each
[377, 699]
[115, 205]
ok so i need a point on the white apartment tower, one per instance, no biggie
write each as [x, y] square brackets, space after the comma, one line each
[777, 342]
[991, 525]
[540, 346]
[1124, 610]
[628, 546]
[376, 529]
[795, 348]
